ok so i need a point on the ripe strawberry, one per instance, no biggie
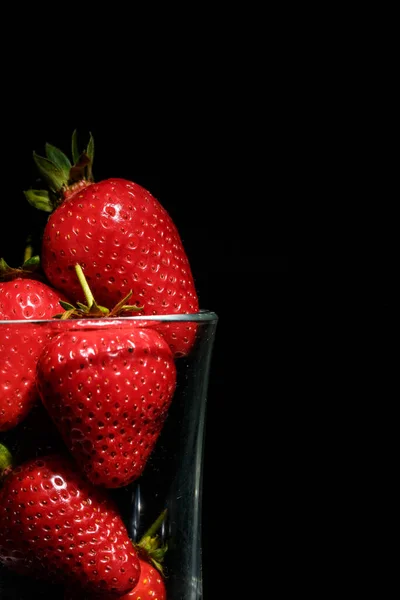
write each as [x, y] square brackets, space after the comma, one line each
[108, 391]
[54, 525]
[121, 236]
[151, 556]
[151, 581]
[151, 585]
[26, 299]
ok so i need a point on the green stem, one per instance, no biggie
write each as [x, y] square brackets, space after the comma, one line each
[155, 526]
[85, 286]
[93, 307]
[6, 462]
[28, 249]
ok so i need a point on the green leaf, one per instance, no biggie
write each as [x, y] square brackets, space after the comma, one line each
[159, 553]
[83, 307]
[32, 263]
[67, 305]
[90, 148]
[157, 565]
[40, 199]
[103, 309]
[90, 153]
[75, 151]
[28, 269]
[6, 461]
[52, 174]
[3, 265]
[59, 159]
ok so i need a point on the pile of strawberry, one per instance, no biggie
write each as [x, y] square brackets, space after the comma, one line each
[107, 385]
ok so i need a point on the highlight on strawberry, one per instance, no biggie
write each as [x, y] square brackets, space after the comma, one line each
[120, 234]
[56, 526]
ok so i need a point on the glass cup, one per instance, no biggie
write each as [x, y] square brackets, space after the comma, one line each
[172, 475]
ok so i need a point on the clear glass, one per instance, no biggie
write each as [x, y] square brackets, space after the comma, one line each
[172, 477]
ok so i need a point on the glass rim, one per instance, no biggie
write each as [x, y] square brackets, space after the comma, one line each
[201, 316]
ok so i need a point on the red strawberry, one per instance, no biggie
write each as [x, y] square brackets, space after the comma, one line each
[121, 236]
[108, 391]
[151, 556]
[56, 526]
[24, 299]
[151, 581]
[151, 585]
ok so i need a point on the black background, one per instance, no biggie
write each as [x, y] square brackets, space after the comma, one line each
[216, 165]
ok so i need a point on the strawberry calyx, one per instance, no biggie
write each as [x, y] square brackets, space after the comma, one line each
[6, 462]
[29, 270]
[149, 547]
[91, 308]
[61, 176]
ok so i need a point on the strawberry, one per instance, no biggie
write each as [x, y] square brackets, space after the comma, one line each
[120, 234]
[151, 555]
[151, 583]
[108, 390]
[54, 525]
[26, 299]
